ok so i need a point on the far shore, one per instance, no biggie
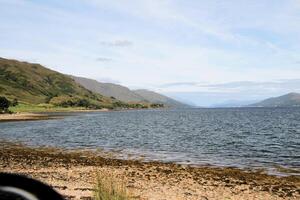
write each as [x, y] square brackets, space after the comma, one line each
[73, 174]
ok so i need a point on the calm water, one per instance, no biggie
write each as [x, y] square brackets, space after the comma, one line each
[245, 138]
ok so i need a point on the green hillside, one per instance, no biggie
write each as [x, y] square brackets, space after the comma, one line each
[34, 84]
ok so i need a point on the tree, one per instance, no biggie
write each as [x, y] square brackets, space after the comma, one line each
[83, 103]
[4, 104]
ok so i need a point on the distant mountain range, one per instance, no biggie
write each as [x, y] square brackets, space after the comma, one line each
[32, 83]
[125, 94]
[288, 100]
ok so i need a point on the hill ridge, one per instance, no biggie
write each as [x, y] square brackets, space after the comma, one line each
[109, 89]
[125, 94]
[291, 99]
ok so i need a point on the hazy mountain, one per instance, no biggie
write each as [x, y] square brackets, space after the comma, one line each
[159, 98]
[125, 94]
[110, 90]
[288, 100]
[34, 84]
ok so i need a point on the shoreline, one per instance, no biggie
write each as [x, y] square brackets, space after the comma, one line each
[51, 114]
[24, 117]
[147, 180]
[45, 115]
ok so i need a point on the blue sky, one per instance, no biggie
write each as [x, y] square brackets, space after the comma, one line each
[186, 49]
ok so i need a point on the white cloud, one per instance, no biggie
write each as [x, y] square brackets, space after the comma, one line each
[102, 59]
[117, 43]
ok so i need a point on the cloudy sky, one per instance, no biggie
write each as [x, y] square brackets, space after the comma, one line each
[204, 52]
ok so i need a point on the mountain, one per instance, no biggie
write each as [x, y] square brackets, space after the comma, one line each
[288, 100]
[125, 94]
[154, 97]
[34, 84]
[109, 89]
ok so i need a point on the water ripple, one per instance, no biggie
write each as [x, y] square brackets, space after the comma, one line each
[246, 138]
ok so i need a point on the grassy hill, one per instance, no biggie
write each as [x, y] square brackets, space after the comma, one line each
[34, 84]
[288, 100]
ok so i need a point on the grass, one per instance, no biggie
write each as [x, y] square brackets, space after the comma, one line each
[34, 84]
[108, 187]
[42, 108]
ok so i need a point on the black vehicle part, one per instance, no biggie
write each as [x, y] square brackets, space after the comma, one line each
[20, 187]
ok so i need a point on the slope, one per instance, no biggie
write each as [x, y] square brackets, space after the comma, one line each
[110, 90]
[288, 100]
[34, 84]
[154, 97]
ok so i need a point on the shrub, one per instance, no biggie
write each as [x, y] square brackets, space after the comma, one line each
[120, 104]
[70, 101]
[4, 104]
[157, 105]
[83, 103]
[108, 187]
[137, 105]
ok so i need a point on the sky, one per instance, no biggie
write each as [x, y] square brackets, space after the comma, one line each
[198, 51]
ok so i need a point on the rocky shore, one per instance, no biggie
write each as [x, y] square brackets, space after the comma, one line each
[73, 174]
